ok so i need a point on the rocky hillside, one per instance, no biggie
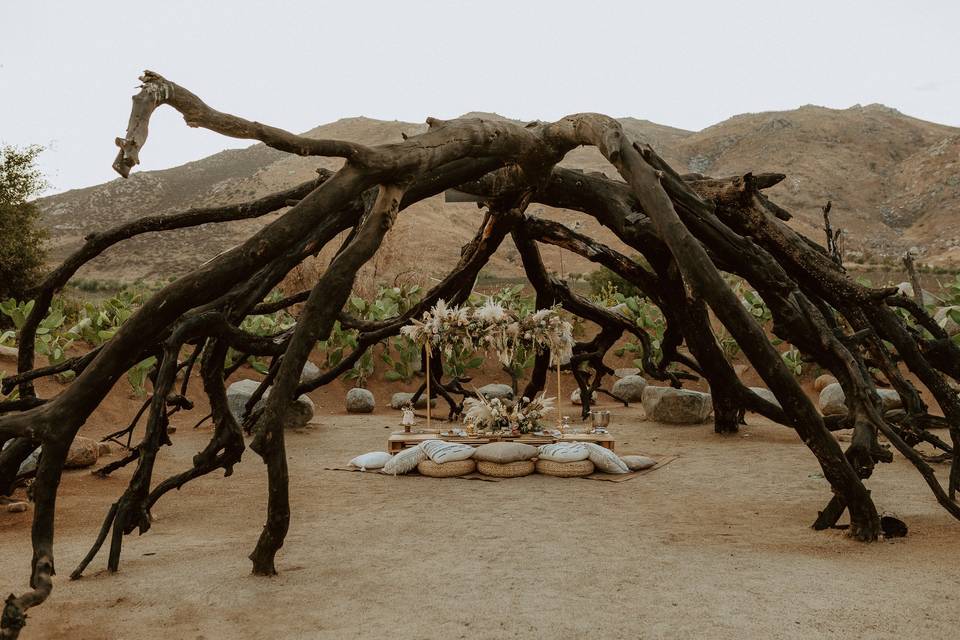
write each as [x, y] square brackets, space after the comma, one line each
[894, 182]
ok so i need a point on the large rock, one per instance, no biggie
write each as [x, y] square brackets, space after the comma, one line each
[942, 317]
[626, 371]
[83, 453]
[9, 352]
[29, 463]
[491, 391]
[240, 392]
[676, 406]
[402, 398]
[891, 399]
[833, 401]
[823, 381]
[575, 397]
[766, 394]
[310, 371]
[629, 388]
[360, 401]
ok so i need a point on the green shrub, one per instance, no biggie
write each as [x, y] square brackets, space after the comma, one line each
[21, 237]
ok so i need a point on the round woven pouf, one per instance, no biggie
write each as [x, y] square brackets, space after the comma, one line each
[576, 469]
[446, 469]
[507, 470]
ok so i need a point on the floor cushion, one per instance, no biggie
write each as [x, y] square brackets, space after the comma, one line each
[638, 463]
[504, 452]
[605, 460]
[564, 452]
[373, 460]
[575, 469]
[440, 451]
[507, 470]
[447, 469]
[405, 461]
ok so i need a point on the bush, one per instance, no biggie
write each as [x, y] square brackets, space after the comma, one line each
[21, 237]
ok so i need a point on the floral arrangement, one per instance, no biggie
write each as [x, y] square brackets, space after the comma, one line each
[523, 416]
[491, 326]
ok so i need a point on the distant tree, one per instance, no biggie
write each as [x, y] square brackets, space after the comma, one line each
[21, 237]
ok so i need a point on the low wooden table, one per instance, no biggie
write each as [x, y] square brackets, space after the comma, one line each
[400, 440]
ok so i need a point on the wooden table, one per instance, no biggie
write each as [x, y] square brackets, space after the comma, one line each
[400, 440]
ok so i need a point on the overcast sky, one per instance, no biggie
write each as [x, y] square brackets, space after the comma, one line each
[68, 68]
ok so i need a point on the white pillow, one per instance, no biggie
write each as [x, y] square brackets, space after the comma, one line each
[638, 463]
[405, 461]
[440, 451]
[372, 460]
[605, 460]
[564, 452]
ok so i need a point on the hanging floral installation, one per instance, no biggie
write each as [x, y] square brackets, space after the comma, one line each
[492, 327]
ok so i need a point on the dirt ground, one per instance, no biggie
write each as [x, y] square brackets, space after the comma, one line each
[716, 545]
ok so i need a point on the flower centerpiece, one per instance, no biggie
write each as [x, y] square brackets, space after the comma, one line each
[494, 415]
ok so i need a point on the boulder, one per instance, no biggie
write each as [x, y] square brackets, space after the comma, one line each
[676, 406]
[83, 453]
[942, 318]
[402, 398]
[310, 371]
[626, 371]
[766, 394]
[629, 388]
[832, 400]
[9, 352]
[823, 381]
[239, 392]
[491, 391]
[890, 398]
[575, 397]
[360, 401]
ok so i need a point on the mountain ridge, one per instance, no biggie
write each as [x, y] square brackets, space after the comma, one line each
[894, 181]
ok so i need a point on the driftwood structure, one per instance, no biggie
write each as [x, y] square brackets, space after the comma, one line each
[689, 228]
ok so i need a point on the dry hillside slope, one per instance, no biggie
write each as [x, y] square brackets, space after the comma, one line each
[894, 181]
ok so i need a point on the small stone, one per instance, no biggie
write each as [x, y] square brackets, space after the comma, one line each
[105, 449]
[626, 371]
[83, 453]
[832, 400]
[360, 401]
[17, 507]
[491, 391]
[402, 398]
[629, 388]
[575, 397]
[823, 381]
[676, 406]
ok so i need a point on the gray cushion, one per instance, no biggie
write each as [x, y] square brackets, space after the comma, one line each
[504, 452]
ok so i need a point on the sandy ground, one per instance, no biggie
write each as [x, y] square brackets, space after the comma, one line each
[716, 544]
